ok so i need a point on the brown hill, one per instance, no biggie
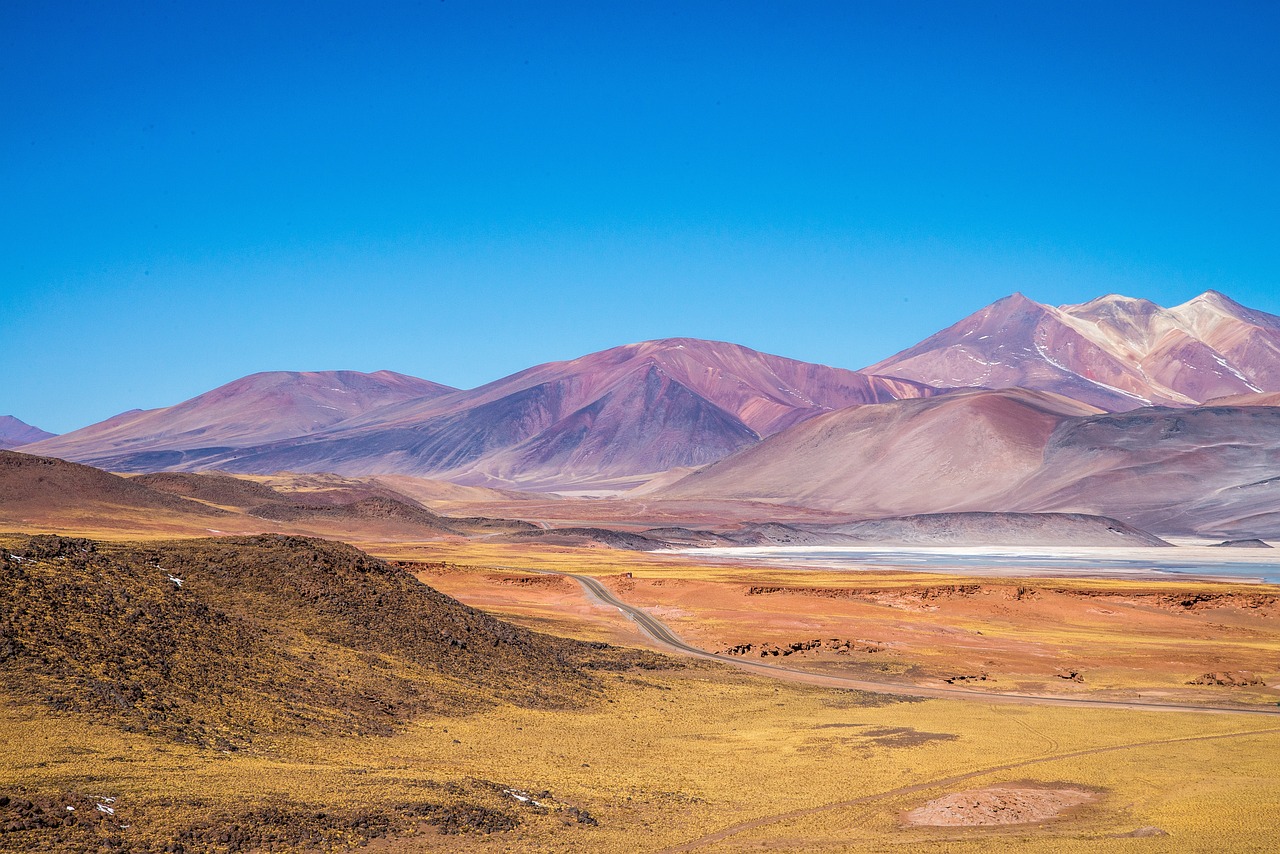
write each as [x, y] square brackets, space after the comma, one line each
[231, 642]
[37, 489]
[1264, 398]
[954, 452]
[220, 489]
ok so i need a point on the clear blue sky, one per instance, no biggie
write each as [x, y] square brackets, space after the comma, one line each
[190, 192]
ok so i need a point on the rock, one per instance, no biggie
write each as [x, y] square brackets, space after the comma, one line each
[1233, 679]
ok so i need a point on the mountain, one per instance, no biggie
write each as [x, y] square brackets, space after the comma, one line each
[15, 433]
[1113, 352]
[258, 408]
[610, 418]
[1207, 470]
[952, 452]
[1212, 470]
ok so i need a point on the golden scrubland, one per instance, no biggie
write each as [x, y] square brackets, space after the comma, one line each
[398, 737]
[668, 758]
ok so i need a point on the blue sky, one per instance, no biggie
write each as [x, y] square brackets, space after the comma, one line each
[457, 190]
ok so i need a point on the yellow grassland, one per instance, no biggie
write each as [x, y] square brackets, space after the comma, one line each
[669, 758]
[672, 757]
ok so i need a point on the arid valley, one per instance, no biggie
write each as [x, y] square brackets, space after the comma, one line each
[559, 626]
[639, 428]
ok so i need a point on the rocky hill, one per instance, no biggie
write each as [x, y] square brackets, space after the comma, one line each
[234, 642]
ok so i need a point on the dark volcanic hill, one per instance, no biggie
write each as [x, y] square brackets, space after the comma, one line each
[232, 642]
[1113, 352]
[15, 433]
[258, 408]
[614, 417]
[999, 529]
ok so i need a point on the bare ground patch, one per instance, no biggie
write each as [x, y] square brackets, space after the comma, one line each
[1001, 804]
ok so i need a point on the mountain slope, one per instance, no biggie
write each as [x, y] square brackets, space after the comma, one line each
[258, 408]
[15, 433]
[616, 417]
[1208, 470]
[35, 490]
[953, 452]
[1113, 352]
[1212, 470]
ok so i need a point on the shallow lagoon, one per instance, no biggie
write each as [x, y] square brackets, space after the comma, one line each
[1262, 565]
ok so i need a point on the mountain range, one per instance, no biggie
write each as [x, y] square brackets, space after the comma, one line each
[1163, 418]
[617, 416]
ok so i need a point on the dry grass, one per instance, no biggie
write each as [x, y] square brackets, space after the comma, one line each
[672, 756]
[661, 759]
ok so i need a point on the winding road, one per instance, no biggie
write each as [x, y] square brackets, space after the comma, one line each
[661, 633]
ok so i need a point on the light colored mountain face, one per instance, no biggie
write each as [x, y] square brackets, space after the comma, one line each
[1209, 470]
[954, 452]
[15, 433]
[1113, 352]
[258, 408]
[624, 413]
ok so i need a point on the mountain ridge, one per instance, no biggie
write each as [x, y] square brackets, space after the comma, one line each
[622, 414]
[1114, 352]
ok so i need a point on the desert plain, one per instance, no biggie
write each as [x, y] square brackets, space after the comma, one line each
[880, 709]
[1015, 592]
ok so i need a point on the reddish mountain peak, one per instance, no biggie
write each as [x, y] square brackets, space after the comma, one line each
[1218, 300]
[1113, 307]
[384, 381]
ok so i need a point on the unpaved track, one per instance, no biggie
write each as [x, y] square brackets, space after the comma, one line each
[941, 782]
[660, 632]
